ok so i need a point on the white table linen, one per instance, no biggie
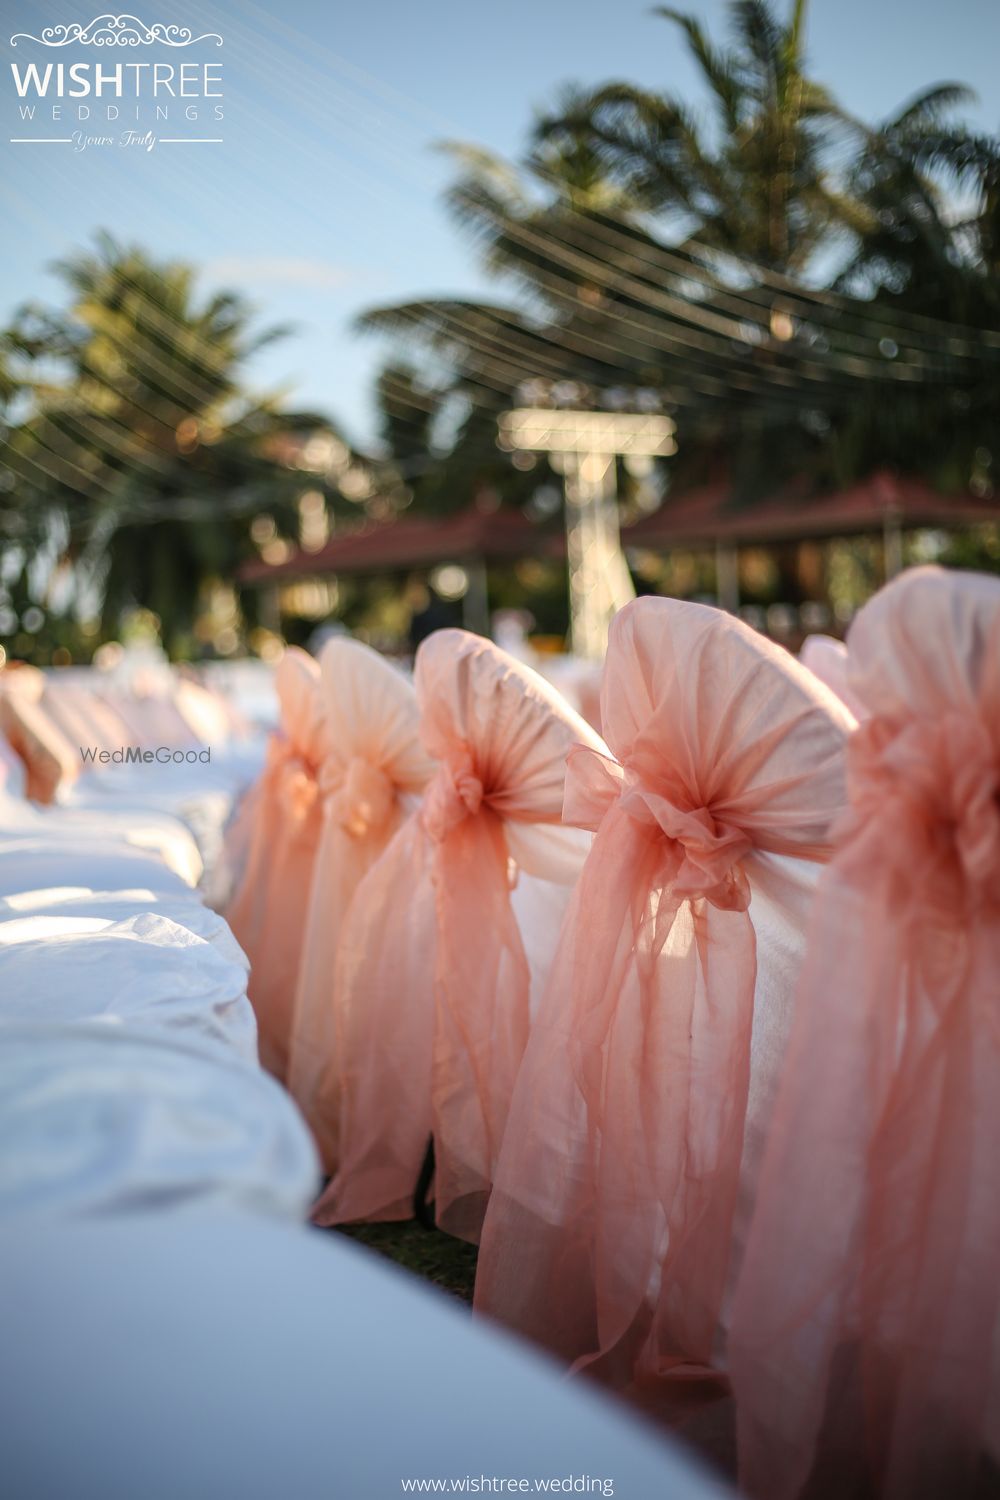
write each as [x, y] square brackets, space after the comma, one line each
[161, 1357]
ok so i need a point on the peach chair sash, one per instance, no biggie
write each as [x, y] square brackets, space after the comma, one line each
[637, 1118]
[433, 979]
[374, 767]
[271, 850]
[826, 657]
[50, 761]
[81, 716]
[871, 1273]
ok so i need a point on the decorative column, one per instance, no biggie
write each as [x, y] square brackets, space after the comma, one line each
[584, 447]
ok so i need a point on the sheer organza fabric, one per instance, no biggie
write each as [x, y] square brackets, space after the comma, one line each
[826, 658]
[81, 716]
[271, 848]
[433, 980]
[865, 1339]
[375, 766]
[635, 1134]
[49, 759]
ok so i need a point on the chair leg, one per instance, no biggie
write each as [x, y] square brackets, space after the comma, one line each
[423, 1210]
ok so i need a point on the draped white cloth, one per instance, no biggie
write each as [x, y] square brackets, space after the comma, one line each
[117, 906]
[146, 970]
[112, 1119]
[162, 1356]
[33, 858]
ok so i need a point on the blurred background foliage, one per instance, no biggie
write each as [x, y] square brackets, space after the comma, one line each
[809, 295]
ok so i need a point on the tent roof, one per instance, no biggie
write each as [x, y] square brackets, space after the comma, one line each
[700, 517]
[414, 542]
[714, 513]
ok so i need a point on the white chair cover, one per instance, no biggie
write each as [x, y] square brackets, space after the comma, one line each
[98, 1119]
[162, 1357]
[146, 970]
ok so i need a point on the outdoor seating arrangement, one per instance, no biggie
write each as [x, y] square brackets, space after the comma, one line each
[372, 777]
[629, 1168]
[500, 752]
[691, 1027]
[618, 1129]
[436, 964]
[155, 1181]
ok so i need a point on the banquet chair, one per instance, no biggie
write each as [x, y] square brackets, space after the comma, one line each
[117, 905]
[50, 720]
[148, 707]
[634, 1136]
[866, 1333]
[271, 850]
[434, 979]
[83, 718]
[375, 766]
[105, 1123]
[208, 717]
[144, 969]
[49, 759]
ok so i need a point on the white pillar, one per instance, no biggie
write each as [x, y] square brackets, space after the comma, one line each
[599, 580]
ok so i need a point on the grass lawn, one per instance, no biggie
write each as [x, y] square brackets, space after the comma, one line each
[437, 1257]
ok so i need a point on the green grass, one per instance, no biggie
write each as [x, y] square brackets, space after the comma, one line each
[437, 1257]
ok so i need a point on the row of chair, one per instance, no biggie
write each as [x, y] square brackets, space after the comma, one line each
[699, 1017]
[168, 1324]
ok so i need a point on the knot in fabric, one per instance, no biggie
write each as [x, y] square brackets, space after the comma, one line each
[453, 794]
[293, 775]
[360, 797]
[702, 854]
[932, 788]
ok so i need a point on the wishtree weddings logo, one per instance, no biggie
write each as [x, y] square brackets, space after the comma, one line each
[117, 104]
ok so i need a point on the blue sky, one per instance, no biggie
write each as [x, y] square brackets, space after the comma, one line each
[324, 196]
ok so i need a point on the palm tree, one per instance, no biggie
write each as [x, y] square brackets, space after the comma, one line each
[918, 247]
[753, 179]
[652, 247]
[142, 437]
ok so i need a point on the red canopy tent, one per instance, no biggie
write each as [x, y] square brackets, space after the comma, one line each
[710, 515]
[415, 542]
[713, 513]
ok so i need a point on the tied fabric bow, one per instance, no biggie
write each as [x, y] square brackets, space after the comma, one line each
[616, 1224]
[289, 770]
[929, 790]
[361, 797]
[685, 1142]
[863, 1342]
[701, 854]
[454, 794]
[439, 1013]
[372, 763]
